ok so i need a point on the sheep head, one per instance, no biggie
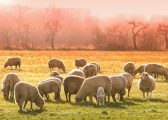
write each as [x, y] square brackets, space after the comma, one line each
[144, 75]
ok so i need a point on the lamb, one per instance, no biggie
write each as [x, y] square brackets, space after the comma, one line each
[89, 70]
[9, 81]
[13, 61]
[101, 96]
[90, 85]
[156, 69]
[52, 63]
[24, 92]
[97, 66]
[129, 78]
[129, 68]
[57, 75]
[119, 84]
[140, 69]
[77, 72]
[72, 85]
[146, 84]
[50, 86]
[80, 62]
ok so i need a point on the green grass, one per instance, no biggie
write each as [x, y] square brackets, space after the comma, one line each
[34, 69]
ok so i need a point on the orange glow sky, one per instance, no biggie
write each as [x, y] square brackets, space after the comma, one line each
[104, 8]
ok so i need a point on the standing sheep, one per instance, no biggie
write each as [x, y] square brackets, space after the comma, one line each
[72, 85]
[80, 62]
[13, 61]
[25, 92]
[89, 70]
[119, 84]
[52, 63]
[9, 81]
[139, 69]
[129, 68]
[146, 84]
[129, 78]
[90, 85]
[97, 66]
[48, 87]
[101, 96]
[156, 69]
[77, 72]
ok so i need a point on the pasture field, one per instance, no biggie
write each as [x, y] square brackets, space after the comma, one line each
[34, 69]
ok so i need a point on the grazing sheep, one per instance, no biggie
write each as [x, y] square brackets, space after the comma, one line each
[146, 84]
[13, 61]
[77, 72]
[57, 75]
[72, 85]
[129, 78]
[101, 96]
[119, 84]
[50, 86]
[140, 69]
[90, 85]
[80, 62]
[156, 69]
[97, 66]
[129, 68]
[9, 81]
[25, 92]
[52, 63]
[89, 70]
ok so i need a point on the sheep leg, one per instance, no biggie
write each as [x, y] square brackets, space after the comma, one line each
[15, 67]
[25, 104]
[147, 95]
[69, 97]
[11, 95]
[143, 95]
[121, 97]
[113, 96]
[150, 94]
[66, 96]
[31, 105]
[129, 91]
[90, 100]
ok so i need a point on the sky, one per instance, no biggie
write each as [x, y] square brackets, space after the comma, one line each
[104, 8]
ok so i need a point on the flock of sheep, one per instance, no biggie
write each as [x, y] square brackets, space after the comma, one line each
[82, 81]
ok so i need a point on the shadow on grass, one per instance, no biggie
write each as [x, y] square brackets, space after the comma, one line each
[56, 102]
[10, 101]
[32, 112]
[151, 100]
[117, 105]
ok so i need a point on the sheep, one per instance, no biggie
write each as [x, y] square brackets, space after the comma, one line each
[57, 75]
[77, 72]
[48, 87]
[89, 70]
[13, 61]
[129, 68]
[156, 69]
[80, 62]
[140, 69]
[97, 66]
[24, 92]
[90, 85]
[119, 84]
[9, 81]
[72, 85]
[52, 63]
[101, 96]
[146, 84]
[129, 78]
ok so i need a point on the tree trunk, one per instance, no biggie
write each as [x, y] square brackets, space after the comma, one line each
[134, 40]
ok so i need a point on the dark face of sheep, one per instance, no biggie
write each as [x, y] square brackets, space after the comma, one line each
[5, 65]
[54, 73]
[5, 94]
[78, 99]
[40, 103]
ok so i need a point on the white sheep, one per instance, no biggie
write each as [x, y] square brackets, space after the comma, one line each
[146, 84]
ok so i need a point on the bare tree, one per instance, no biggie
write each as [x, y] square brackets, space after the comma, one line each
[136, 29]
[163, 29]
[52, 25]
